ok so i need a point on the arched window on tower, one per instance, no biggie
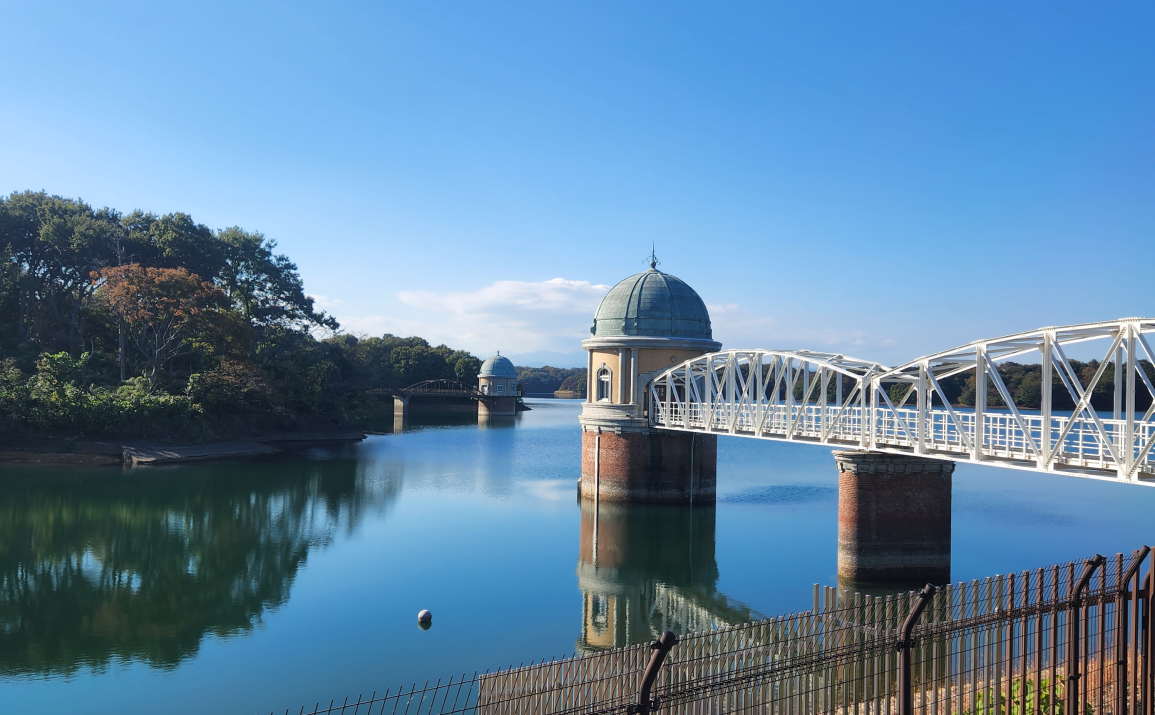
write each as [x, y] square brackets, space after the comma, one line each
[604, 383]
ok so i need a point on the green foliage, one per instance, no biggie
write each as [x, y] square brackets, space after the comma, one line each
[265, 287]
[897, 391]
[1025, 385]
[546, 379]
[577, 383]
[217, 320]
[465, 366]
[232, 385]
[1044, 696]
[51, 401]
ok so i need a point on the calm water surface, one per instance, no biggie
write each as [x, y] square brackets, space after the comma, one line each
[252, 586]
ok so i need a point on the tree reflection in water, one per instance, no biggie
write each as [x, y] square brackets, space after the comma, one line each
[142, 565]
[643, 569]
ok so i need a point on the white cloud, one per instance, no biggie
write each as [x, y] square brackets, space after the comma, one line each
[737, 326]
[553, 296]
[555, 315]
[511, 316]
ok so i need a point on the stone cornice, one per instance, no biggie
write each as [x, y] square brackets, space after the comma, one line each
[644, 342]
[605, 417]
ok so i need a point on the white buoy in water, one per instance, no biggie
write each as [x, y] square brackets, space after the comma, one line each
[425, 617]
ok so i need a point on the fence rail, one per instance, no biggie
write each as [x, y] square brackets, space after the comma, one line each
[1071, 639]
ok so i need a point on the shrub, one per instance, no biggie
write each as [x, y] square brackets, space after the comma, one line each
[51, 401]
[1047, 694]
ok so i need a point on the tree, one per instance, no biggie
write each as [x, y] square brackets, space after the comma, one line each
[230, 387]
[418, 362]
[174, 241]
[575, 382]
[157, 306]
[52, 244]
[265, 287]
[465, 366]
[545, 379]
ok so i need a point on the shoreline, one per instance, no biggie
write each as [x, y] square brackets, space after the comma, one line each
[58, 451]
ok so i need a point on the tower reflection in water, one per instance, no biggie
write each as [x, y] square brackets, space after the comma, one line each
[644, 569]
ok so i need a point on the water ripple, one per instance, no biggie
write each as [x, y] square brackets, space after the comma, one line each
[783, 494]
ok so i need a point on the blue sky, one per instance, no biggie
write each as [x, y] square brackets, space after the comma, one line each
[885, 180]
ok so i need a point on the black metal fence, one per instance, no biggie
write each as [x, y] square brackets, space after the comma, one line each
[1072, 639]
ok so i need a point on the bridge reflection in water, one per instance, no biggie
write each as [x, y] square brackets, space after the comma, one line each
[644, 569]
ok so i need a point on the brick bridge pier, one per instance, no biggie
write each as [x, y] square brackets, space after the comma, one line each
[893, 519]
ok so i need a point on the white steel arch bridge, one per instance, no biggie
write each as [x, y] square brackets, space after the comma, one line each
[828, 399]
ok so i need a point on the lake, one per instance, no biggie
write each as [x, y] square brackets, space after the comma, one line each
[252, 586]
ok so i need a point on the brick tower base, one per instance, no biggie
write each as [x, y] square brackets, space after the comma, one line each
[893, 519]
[655, 467]
[490, 405]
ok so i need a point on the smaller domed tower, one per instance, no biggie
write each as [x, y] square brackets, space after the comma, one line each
[497, 383]
[645, 325]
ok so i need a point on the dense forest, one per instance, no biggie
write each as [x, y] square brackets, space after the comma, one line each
[144, 325]
[575, 383]
[1024, 384]
[537, 380]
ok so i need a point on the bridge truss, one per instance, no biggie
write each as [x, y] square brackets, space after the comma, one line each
[830, 399]
[430, 388]
[441, 388]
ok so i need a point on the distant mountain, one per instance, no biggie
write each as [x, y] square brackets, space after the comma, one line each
[546, 358]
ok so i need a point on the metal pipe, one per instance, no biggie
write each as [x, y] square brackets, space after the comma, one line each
[693, 438]
[1074, 616]
[660, 648]
[906, 697]
[597, 467]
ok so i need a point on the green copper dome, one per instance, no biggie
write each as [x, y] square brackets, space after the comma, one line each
[497, 366]
[652, 304]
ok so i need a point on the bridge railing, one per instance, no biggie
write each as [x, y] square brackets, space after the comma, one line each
[1003, 438]
[802, 421]
[840, 401]
[1083, 445]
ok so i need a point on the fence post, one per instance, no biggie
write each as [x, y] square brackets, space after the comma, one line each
[1147, 636]
[905, 684]
[1074, 616]
[661, 647]
[1123, 649]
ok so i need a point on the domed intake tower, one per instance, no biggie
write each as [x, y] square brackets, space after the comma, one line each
[646, 324]
[497, 383]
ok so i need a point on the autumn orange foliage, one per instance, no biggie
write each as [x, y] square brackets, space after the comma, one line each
[156, 305]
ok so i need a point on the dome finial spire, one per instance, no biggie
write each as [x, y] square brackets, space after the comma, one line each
[653, 258]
